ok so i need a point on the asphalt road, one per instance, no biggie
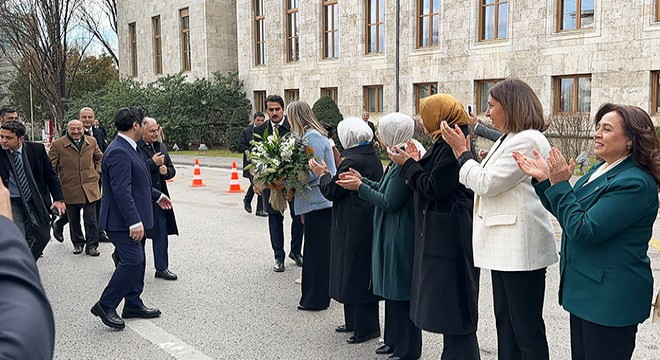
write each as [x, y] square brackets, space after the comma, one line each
[229, 304]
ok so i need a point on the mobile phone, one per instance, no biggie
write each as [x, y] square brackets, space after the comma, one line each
[469, 109]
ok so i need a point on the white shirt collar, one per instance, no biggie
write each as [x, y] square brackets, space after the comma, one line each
[130, 141]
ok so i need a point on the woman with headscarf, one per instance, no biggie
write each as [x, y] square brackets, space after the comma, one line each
[513, 234]
[351, 238]
[445, 283]
[394, 238]
[316, 210]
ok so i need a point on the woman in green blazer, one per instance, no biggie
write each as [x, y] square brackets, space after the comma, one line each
[393, 242]
[607, 221]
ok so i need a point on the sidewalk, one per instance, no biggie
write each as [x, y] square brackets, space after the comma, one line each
[208, 161]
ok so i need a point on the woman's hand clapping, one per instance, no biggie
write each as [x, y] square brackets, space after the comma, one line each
[454, 137]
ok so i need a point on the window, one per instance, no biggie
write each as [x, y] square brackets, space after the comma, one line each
[575, 14]
[185, 40]
[375, 32]
[330, 28]
[259, 33]
[428, 23]
[291, 95]
[572, 94]
[655, 93]
[493, 19]
[373, 98]
[292, 30]
[133, 46]
[259, 101]
[657, 10]
[158, 45]
[330, 91]
[423, 90]
[482, 88]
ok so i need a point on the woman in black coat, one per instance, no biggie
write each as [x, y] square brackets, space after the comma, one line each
[445, 283]
[352, 230]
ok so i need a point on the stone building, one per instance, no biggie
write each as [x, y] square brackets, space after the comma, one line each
[606, 51]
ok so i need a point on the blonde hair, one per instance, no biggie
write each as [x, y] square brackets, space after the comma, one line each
[301, 118]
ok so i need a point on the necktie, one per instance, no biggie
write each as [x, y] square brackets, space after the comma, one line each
[276, 126]
[21, 178]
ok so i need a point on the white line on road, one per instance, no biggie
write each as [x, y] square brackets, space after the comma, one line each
[165, 341]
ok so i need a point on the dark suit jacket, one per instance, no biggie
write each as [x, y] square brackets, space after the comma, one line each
[44, 182]
[127, 192]
[159, 182]
[99, 135]
[284, 129]
[244, 145]
[27, 328]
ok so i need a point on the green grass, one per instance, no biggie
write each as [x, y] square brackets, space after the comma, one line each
[212, 153]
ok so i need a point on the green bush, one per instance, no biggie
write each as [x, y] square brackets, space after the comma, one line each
[326, 111]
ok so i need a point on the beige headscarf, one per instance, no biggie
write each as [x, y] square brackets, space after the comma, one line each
[437, 108]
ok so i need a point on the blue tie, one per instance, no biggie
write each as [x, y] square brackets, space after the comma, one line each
[21, 178]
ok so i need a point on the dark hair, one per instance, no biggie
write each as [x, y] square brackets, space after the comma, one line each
[258, 114]
[329, 128]
[640, 130]
[6, 109]
[275, 98]
[522, 107]
[14, 126]
[126, 117]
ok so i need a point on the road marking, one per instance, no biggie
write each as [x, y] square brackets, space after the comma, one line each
[165, 341]
[655, 243]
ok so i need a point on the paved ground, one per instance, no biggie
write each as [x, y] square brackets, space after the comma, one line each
[228, 304]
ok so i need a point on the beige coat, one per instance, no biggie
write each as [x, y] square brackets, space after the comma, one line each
[79, 171]
[512, 231]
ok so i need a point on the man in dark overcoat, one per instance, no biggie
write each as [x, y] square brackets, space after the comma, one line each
[244, 145]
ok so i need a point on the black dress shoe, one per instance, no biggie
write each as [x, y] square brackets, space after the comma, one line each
[109, 317]
[103, 237]
[141, 312]
[279, 265]
[78, 249]
[92, 252]
[360, 339]
[57, 232]
[262, 213]
[166, 274]
[343, 329]
[297, 258]
[304, 308]
[247, 206]
[384, 349]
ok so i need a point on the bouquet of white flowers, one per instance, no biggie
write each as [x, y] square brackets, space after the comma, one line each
[280, 164]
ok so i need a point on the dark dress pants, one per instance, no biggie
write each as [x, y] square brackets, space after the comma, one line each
[249, 195]
[362, 318]
[401, 334]
[276, 229]
[591, 341]
[160, 241]
[518, 301]
[316, 268]
[36, 236]
[127, 282]
[461, 347]
[91, 238]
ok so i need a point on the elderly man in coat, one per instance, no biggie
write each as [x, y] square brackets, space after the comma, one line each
[77, 159]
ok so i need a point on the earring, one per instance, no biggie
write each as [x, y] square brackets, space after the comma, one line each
[629, 146]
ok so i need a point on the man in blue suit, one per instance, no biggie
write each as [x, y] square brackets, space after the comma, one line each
[126, 211]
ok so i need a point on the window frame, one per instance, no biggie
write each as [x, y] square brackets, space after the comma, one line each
[556, 82]
[292, 39]
[420, 19]
[379, 98]
[478, 87]
[334, 5]
[259, 100]
[186, 45]
[157, 44]
[132, 41]
[496, 14]
[380, 21]
[429, 89]
[259, 33]
[332, 92]
[657, 10]
[291, 95]
[578, 17]
[655, 87]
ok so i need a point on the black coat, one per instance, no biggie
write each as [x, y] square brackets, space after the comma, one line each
[283, 130]
[244, 145]
[159, 182]
[352, 229]
[445, 283]
[99, 134]
[44, 182]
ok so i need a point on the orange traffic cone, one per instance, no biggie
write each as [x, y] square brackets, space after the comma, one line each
[197, 175]
[234, 183]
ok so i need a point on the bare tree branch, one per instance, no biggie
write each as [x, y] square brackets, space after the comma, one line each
[90, 21]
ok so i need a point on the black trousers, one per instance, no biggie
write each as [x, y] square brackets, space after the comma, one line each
[36, 236]
[591, 341]
[401, 334]
[249, 195]
[461, 347]
[518, 300]
[362, 318]
[63, 220]
[316, 268]
[276, 229]
[91, 238]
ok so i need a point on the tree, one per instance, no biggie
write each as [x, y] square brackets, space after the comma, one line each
[90, 20]
[326, 111]
[36, 34]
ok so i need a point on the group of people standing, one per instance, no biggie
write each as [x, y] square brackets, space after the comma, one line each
[418, 233]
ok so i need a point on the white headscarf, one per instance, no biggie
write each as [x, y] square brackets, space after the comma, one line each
[353, 132]
[395, 129]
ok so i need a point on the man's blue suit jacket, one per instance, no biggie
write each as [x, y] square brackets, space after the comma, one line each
[127, 193]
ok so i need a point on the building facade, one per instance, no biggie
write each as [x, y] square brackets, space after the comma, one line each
[384, 55]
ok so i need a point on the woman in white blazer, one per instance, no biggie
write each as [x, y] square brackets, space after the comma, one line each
[512, 233]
